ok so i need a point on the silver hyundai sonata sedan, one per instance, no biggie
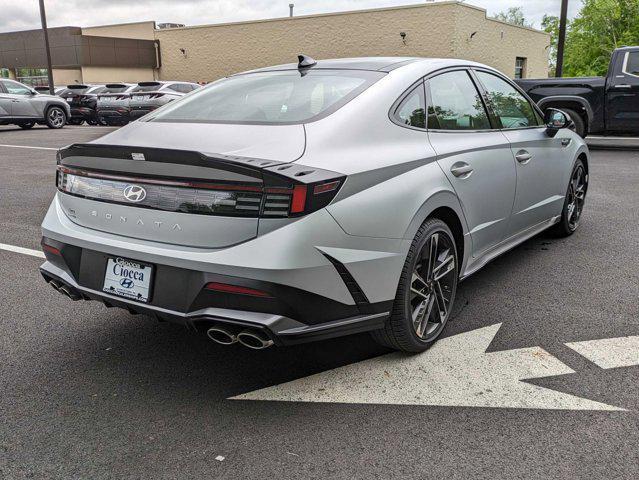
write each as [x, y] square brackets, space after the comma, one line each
[313, 200]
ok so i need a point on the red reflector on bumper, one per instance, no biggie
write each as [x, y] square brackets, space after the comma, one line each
[50, 249]
[223, 287]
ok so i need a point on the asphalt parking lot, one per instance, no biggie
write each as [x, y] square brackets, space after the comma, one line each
[537, 376]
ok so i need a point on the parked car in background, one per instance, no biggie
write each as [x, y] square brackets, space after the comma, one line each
[313, 200]
[22, 105]
[598, 105]
[113, 104]
[83, 101]
[155, 94]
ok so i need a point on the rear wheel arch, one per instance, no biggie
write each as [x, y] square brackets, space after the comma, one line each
[445, 206]
[584, 159]
[450, 218]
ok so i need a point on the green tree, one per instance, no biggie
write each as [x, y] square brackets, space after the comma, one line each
[550, 24]
[514, 15]
[599, 28]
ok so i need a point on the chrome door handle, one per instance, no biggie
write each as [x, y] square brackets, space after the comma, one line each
[523, 156]
[461, 169]
[624, 85]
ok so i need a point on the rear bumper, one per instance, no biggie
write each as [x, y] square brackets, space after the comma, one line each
[83, 113]
[137, 112]
[115, 113]
[281, 329]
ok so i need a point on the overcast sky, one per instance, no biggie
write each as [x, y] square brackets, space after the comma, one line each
[24, 14]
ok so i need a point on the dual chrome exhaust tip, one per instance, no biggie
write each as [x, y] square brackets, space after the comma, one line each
[65, 290]
[249, 338]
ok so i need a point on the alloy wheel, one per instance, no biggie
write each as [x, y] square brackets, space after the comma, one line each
[433, 285]
[56, 117]
[576, 196]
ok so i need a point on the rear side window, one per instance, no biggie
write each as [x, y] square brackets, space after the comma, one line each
[510, 106]
[412, 110]
[277, 97]
[456, 104]
[631, 66]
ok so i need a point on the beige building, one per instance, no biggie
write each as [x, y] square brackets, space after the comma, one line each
[140, 51]
[443, 29]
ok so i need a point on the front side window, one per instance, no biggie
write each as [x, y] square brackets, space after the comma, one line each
[275, 97]
[510, 106]
[412, 110]
[456, 104]
[15, 88]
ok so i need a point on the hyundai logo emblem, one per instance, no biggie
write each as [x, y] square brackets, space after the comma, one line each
[126, 283]
[134, 193]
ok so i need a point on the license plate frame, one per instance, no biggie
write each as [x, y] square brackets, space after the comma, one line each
[140, 289]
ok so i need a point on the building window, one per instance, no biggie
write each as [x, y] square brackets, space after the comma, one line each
[520, 67]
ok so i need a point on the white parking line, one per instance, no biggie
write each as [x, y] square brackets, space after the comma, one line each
[610, 352]
[24, 251]
[28, 146]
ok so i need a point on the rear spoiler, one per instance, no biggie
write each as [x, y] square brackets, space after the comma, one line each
[78, 86]
[149, 84]
[117, 85]
[92, 156]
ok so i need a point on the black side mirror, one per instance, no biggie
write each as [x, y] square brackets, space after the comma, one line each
[555, 120]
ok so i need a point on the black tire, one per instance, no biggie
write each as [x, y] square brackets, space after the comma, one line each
[580, 124]
[574, 202]
[27, 125]
[401, 331]
[55, 117]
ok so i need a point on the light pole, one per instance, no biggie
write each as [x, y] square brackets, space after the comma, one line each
[43, 19]
[561, 41]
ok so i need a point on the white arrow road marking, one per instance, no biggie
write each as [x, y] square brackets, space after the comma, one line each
[24, 251]
[456, 371]
[609, 352]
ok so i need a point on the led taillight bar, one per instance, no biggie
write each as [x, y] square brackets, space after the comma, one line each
[153, 181]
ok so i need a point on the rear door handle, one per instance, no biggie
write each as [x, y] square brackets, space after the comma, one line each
[461, 170]
[523, 156]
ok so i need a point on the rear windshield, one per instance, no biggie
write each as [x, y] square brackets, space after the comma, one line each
[147, 88]
[96, 90]
[115, 89]
[282, 97]
[79, 90]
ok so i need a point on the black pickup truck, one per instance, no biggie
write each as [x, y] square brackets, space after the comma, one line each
[598, 105]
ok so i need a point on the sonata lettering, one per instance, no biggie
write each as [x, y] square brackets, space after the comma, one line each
[139, 221]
